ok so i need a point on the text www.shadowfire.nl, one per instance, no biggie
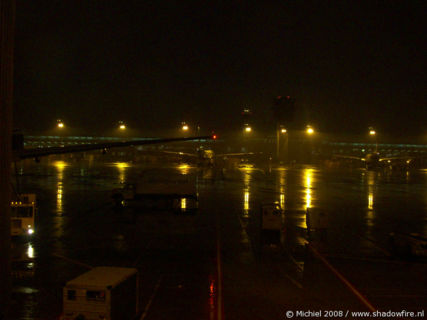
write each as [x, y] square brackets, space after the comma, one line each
[334, 314]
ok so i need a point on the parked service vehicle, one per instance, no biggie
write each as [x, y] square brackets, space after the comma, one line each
[108, 293]
[272, 223]
[177, 196]
[23, 211]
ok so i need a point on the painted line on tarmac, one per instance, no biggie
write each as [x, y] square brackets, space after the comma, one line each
[219, 268]
[72, 261]
[296, 283]
[153, 295]
[343, 279]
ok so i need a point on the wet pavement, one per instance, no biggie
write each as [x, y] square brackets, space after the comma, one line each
[215, 264]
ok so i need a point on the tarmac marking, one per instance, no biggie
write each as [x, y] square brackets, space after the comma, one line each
[296, 283]
[219, 268]
[344, 280]
[73, 261]
[153, 295]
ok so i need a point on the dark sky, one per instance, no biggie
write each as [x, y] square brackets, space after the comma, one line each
[153, 64]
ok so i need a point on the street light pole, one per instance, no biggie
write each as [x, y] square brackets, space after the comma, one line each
[278, 142]
[372, 132]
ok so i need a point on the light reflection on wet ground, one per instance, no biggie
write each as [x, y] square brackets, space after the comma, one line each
[76, 220]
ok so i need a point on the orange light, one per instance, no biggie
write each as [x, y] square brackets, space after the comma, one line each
[212, 288]
[214, 136]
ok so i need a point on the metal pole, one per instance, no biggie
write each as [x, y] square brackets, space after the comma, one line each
[278, 143]
[7, 24]
[287, 147]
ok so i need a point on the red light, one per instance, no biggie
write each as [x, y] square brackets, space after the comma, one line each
[214, 137]
[212, 288]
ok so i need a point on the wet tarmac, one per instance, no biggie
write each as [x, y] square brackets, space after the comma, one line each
[215, 264]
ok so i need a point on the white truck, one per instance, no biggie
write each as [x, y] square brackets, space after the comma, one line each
[108, 293]
[272, 223]
[23, 212]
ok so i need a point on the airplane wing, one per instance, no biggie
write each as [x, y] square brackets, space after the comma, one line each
[407, 158]
[178, 153]
[349, 157]
[235, 154]
[41, 152]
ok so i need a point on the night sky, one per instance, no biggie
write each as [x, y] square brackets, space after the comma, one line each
[153, 64]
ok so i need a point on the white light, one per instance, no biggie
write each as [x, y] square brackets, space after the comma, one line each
[30, 251]
[30, 231]
[283, 130]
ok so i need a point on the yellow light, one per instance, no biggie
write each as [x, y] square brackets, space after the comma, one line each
[122, 127]
[185, 127]
[308, 175]
[370, 200]
[282, 200]
[60, 125]
[184, 168]
[248, 129]
[60, 165]
[183, 204]
[283, 130]
[372, 132]
[310, 130]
